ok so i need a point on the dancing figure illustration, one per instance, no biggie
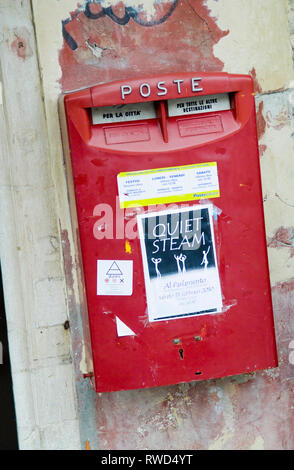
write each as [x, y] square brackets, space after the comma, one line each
[156, 261]
[204, 259]
[181, 258]
[178, 259]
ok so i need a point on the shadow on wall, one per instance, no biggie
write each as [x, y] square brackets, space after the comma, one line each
[8, 434]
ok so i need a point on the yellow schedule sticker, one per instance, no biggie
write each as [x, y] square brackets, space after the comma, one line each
[168, 185]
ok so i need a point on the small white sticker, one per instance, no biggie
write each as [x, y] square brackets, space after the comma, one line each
[199, 104]
[114, 277]
[123, 329]
[123, 112]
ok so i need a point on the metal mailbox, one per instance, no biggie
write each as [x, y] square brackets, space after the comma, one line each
[166, 198]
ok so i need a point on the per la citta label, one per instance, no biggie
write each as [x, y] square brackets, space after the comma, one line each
[179, 261]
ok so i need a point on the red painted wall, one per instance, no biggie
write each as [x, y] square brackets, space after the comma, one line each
[179, 37]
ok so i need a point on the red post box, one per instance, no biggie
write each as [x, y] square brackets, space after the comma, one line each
[167, 200]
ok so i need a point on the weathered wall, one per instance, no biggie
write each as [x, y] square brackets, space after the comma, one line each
[79, 45]
[33, 278]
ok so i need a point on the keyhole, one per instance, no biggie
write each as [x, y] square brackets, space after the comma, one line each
[181, 353]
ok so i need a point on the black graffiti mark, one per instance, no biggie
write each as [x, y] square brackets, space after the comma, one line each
[130, 13]
[68, 38]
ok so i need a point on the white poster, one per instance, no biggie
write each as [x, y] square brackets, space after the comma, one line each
[179, 261]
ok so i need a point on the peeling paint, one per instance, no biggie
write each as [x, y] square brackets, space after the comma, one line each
[278, 121]
[224, 407]
[258, 444]
[83, 363]
[283, 237]
[260, 121]
[105, 50]
[96, 50]
[68, 264]
[21, 44]
[262, 149]
[257, 86]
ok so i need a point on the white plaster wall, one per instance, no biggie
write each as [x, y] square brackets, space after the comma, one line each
[258, 38]
[44, 387]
